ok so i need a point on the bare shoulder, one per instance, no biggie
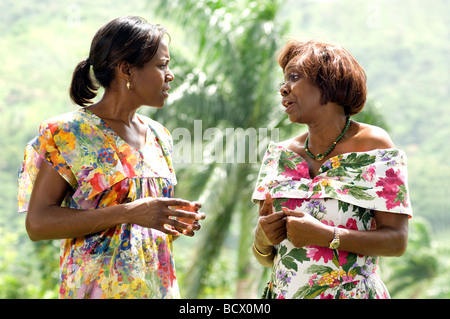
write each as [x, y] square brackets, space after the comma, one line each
[287, 143]
[294, 142]
[370, 137]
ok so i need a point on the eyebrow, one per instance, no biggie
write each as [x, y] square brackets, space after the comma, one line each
[291, 67]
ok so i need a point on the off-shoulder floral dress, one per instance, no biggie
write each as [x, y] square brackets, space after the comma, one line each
[344, 194]
[127, 261]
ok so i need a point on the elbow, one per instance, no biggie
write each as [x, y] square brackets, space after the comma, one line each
[33, 234]
[395, 239]
[34, 230]
[399, 249]
[398, 245]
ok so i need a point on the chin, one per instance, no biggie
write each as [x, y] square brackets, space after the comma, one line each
[293, 119]
[157, 106]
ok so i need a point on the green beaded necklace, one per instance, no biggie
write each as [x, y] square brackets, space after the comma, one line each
[321, 156]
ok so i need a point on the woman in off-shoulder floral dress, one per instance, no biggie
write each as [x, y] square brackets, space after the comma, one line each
[344, 194]
[333, 199]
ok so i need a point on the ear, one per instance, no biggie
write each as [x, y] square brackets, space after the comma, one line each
[123, 70]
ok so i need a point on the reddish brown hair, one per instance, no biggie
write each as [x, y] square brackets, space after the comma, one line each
[332, 68]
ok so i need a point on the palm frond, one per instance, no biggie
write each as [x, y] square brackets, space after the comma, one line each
[228, 83]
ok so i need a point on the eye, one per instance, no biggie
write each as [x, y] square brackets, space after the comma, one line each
[293, 77]
[164, 64]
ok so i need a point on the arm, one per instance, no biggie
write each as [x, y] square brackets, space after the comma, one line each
[270, 231]
[388, 239]
[46, 219]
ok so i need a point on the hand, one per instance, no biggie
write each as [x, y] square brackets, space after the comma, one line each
[157, 213]
[271, 228]
[194, 223]
[304, 230]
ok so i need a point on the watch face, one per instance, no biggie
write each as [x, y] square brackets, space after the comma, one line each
[334, 244]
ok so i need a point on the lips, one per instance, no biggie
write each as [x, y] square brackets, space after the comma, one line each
[166, 91]
[287, 104]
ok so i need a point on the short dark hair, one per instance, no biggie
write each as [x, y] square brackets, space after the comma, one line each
[337, 74]
[131, 39]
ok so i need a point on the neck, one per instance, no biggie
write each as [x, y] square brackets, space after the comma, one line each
[325, 131]
[115, 107]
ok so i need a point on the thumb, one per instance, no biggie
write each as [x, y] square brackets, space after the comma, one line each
[289, 212]
[267, 207]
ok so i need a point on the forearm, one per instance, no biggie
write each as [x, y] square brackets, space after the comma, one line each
[265, 259]
[380, 242]
[389, 238]
[61, 222]
[262, 249]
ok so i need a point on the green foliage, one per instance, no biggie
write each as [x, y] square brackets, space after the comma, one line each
[235, 42]
[410, 275]
[223, 57]
[27, 271]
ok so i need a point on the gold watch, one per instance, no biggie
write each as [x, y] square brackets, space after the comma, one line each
[335, 242]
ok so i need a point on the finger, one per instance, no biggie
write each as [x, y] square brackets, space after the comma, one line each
[179, 225]
[196, 226]
[275, 228]
[201, 216]
[267, 207]
[185, 214]
[273, 218]
[169, 230]
[293, 213]
[277, 236]
[197, 205]
[193, 207]
[282, 236]
[189, 233]
[176, 202]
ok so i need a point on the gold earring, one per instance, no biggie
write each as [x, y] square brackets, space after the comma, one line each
[128, 85]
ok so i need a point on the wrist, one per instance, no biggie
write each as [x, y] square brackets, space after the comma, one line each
[264, 251]
[326, 235]
[335, 241]
[125, 213]
[261, 239]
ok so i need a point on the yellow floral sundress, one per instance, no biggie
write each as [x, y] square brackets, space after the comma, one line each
[127, 261]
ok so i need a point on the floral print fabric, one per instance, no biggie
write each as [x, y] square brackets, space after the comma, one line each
[344, 194]
[127, 261]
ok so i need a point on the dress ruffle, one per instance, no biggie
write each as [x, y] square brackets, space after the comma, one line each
[376, 180]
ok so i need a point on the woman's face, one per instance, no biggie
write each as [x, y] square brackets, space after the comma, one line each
[151, 82]
[300, 96]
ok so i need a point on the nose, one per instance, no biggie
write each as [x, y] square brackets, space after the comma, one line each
[284, 89]
[169, 76]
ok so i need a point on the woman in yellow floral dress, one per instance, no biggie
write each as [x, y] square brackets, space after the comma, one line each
[336, 198]
[101, 178]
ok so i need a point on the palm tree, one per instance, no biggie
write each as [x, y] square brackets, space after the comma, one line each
[229, 84]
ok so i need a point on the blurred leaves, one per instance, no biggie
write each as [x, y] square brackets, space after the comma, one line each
[223, 57]
[231, 73]
[411, 275]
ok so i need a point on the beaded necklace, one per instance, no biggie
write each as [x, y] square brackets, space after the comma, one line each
[321, 156]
